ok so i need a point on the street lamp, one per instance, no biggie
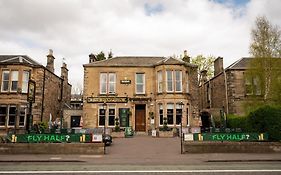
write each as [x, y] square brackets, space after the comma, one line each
[181, 134]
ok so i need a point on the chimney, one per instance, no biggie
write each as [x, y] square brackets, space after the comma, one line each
[64, 72]
[50, 61]
[218, 66]
[186, 58]
[92, 58]
[203, 75]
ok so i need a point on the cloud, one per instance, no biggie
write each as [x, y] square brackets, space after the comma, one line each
[74, 29]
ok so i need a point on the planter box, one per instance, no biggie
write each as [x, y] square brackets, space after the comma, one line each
[166, 134]
[120, 134]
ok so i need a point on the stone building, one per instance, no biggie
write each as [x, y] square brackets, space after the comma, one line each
[227, 91]
[140, 92]
[73, 114]
[51, 92]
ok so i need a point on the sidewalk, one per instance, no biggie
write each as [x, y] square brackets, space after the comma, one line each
[145, 150]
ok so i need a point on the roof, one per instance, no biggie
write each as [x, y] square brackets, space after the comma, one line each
[7, 59]
[140, 61]
[241, 64]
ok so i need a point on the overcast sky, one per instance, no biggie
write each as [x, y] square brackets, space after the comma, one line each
[76, 28]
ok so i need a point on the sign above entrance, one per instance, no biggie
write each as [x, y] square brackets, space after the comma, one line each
[107, 99]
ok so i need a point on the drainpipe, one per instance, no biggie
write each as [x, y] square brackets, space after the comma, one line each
[226, 92]
[43, 95]
[62, 103]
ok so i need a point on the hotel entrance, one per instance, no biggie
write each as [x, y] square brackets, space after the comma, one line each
[140, 119]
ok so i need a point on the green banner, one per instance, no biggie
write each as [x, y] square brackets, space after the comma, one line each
[230, 137]
[49, 138]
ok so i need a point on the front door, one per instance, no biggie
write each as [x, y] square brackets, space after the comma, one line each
[140, 118]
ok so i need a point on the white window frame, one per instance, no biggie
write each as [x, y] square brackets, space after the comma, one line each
[101, 107]
[14, 78]
[111, 83]
[22, 108]
[178, 81]
[160, 107]
[169, 81]
[160, 81]
[111, 107]
[167, 107]
[25, 78]
[8, 81]
[5, 116]
[142, 83]
[103, 91]
[8, 121]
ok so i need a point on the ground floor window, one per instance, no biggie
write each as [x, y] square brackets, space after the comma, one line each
[12, 116]
[170, 114]
[101, 116]
[75, 121]
[178, 114]
[3, 113]
[22, 116]
[161, 114]
[111, 115]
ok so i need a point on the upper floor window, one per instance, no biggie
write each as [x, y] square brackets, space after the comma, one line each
[25, 78]
[159, 81]
[107, 83]
[252, 86]
[169, 80]
[5, 81]
[178, 81]
[174, 81]
[187, 83]
[14, 81]
[140, 83]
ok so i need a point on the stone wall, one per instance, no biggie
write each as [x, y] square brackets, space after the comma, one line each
[52, 148]
[232, 147]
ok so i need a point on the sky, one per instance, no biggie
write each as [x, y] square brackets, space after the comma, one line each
[75, 28]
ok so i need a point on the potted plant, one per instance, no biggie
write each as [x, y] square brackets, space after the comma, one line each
[165, 131]
[117, 133]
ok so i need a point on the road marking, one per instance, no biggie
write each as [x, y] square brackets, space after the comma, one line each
[137, 171]
[91, 156]
[55, 158]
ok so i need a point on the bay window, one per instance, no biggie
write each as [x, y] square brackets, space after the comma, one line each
[159, 81]
[169, 78]
[160, 114]
[170, 113]
[14, 81]
[12, 115]
[178, 81]
[25, 78]
[5, 81]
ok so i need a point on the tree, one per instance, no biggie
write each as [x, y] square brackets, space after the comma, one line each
[204, 63]
[100, 56]
[264, 69]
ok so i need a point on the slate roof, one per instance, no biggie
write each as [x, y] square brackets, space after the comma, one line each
[129, 61]
[9, 59]
[240, 64]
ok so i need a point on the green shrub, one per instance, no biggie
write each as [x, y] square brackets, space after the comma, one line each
[236, 121]
[267, 119]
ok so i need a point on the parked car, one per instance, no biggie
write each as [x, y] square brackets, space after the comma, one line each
[107, 139]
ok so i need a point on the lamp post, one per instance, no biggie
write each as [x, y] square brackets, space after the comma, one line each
[181, 134]
[104, 105]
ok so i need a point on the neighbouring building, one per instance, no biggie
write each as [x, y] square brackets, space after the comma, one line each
[73, 114]
[52, 92]
[140, 92]
[228, 91]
